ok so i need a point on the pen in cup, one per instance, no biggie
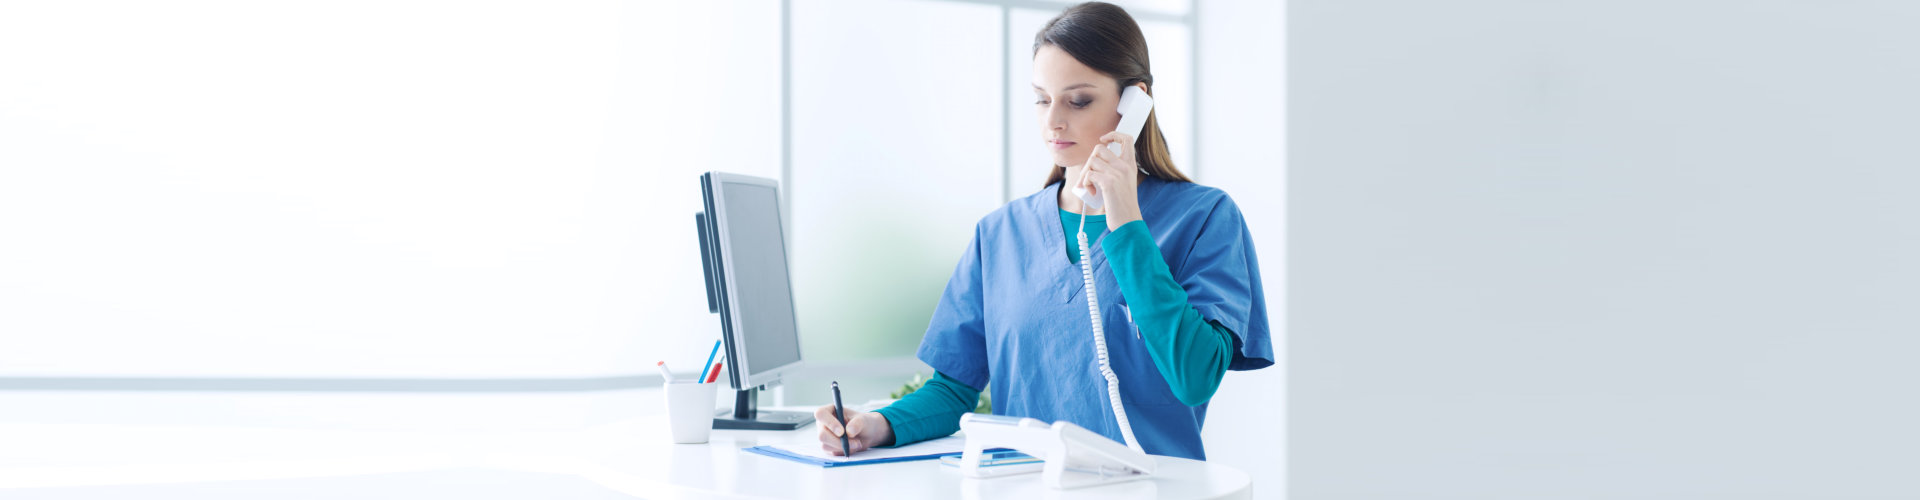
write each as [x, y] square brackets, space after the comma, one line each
[710, 353]
[666, 377]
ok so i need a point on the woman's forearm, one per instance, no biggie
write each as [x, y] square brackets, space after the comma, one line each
[930, 412]
[1190, 352]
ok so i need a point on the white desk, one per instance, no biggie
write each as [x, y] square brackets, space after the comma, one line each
[278, 449]
[720, 470]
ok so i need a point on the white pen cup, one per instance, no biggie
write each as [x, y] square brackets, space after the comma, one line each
[690, 410]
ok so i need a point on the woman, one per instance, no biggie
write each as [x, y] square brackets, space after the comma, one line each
[1175, 275]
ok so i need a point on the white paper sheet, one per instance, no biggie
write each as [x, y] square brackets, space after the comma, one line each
[811, 448]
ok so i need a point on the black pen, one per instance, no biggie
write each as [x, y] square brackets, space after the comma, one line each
[840, 413]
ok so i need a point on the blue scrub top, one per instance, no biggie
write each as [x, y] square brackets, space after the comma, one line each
[1014, 314]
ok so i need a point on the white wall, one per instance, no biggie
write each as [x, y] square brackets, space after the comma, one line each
[1604, 249]
[896, 153]
[368, 189]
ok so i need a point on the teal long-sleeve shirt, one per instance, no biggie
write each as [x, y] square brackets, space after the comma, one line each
[1190, 352]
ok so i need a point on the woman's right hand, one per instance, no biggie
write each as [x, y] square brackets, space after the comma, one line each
[864, 430]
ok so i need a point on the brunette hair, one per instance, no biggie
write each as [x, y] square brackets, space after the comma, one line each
[1103, 37]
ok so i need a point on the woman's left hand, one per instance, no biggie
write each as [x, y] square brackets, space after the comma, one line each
[1115, 176]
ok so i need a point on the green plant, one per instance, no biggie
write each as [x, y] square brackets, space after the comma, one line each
[985, 405]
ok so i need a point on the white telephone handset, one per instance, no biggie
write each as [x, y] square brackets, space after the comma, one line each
[1135, 106]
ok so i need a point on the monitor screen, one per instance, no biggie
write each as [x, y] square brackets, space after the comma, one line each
[756, 260]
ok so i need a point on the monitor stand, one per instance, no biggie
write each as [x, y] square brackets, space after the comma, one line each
[745, 415]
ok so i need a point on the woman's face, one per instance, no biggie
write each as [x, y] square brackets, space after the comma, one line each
[1076, 105]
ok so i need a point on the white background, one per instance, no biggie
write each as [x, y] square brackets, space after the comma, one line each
[437, 189]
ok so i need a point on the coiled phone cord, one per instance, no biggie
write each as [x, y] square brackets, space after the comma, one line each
[1100, 342]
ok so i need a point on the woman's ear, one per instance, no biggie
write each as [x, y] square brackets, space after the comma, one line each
[1143, 87]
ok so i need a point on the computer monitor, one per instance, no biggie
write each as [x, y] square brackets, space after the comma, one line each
[744, 252]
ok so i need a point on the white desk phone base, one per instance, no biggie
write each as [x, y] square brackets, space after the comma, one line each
[1075, 457]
